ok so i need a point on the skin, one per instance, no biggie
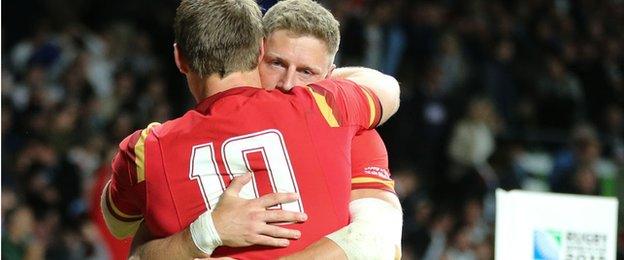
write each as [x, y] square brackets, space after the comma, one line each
[293, 60]
[289, 60]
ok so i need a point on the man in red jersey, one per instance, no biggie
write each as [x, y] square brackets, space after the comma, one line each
[334, 119]
[301, 40]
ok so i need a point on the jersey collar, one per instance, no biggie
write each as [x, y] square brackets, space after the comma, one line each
[205, 105]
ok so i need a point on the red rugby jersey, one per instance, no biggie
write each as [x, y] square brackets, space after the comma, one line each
[298, 141]
[369, 162]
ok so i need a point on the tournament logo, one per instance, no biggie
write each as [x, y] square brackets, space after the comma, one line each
[546, 244]
[552, 244]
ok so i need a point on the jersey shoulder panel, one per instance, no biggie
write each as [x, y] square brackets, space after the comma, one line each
[344, 103]
[135, 148]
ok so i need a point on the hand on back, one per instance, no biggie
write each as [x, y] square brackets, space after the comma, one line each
[242, 222]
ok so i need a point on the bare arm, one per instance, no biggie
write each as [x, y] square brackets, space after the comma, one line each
[177, 246]
[181, 245]
[239, 222]
[368, 155]
[326, 248]
[384, 86]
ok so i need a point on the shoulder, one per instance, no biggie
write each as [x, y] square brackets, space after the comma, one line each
[136, 139]
[171, 127]
[326, 90]
[332, 84]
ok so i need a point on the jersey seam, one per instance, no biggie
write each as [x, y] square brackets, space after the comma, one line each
[317, 157]
[166, 177]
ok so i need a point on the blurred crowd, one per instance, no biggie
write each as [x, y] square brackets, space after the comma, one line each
[496, 94]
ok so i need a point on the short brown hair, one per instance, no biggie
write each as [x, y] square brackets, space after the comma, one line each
[219, 36]
[304, 17]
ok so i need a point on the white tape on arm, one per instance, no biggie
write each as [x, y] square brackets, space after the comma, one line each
[374, 232]
[204, 233]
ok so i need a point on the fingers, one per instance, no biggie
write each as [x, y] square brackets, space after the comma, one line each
[270, 241]
[280, 232]
[273, 216]
[237, 184]
[277, 198]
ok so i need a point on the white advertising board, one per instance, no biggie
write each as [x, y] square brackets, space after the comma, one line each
[549, 226]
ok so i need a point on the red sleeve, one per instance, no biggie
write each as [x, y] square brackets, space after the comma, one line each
[118, 248]
[125, 193]
[369, 162]
[123, 199]
[344, 103]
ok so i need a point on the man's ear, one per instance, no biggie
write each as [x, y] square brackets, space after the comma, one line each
[329, 72]
[179, 60]
[261, 50]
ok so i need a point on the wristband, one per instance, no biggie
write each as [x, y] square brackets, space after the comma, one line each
[204, 233]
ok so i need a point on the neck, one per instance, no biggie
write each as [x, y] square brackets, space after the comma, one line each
[14, 236]
[208, 86]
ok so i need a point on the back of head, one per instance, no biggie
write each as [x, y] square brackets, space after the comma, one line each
[219, 36]
[304, 18]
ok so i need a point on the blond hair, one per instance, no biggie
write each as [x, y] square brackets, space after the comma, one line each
[219, 36]
[304, 18]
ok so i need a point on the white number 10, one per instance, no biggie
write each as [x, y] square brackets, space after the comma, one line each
[235, 153]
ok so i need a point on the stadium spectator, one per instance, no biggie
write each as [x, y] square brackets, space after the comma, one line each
[471, 145]
[461, 247]
[17, 238]
[584, 154]
[560, 96]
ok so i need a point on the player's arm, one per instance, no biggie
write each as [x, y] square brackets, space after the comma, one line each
[369, 162]
[122, 195]
[384, 87]
[373, 204]
[356, 97]
[177, 246]
[376, 213]
[235, 222]
[374, 231]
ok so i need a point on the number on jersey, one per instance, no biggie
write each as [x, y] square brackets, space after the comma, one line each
[237, 153]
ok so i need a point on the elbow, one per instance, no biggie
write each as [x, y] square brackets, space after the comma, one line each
[118, 228]
[375, 230]
[393, 93]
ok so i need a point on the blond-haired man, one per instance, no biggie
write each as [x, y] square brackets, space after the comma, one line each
[287, 65]
[301, 41]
